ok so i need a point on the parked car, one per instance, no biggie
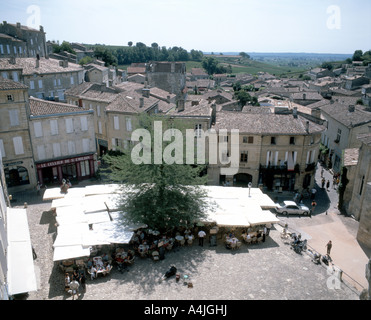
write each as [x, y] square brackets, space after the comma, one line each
[291, 207]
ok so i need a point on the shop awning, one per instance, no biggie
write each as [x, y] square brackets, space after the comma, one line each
[21, 272]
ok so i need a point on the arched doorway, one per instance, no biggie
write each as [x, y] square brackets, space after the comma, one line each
[242, 179]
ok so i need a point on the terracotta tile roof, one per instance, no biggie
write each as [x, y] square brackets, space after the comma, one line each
[7, 84]
[28, 65]
[340, 112]
[264, 123]
[6, 36]
[136, 70]
[39, 107]
[365, 138]
[93, 91]
[198, 72]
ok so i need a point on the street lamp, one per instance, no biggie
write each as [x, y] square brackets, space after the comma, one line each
[249, 185]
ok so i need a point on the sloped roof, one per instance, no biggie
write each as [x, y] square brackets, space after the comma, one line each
[7, 84]
[39, 107]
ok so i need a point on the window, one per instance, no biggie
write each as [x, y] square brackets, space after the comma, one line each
[85, 145]
[99, 127]
[198, 130]
[85, 168]
[72, 80]
[292, 140]
[71, 147]
[128, 124]
[69, 125]
[40, 84]
[14, 119]
[115, 143]
[15, 76]
[361, 186]
[55, 82]
[338, 136]
[98, 110]
[116, 124]
[8, 48]
[84, 123]
[4, 75]
[273, 140]
[2, 150]
[41, 152]
[18, 145]
[56, 150]
[32, 84]
[38, 129]
[59, 82]
[1, 49]
[250, 140]
[53, 127]
[244, 156]
[9, 97]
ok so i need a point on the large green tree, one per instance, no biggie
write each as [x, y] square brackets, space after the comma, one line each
[162, 195]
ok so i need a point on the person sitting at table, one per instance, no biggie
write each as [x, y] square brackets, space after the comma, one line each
[187, 232]
[105, 257]
[93, 272]
[107, 269]
[89, 264]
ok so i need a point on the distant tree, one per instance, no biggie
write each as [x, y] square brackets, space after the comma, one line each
[348, 60]
[130, 43]
[236, 86]
[243, 97]
[327, 65]
[244, 55]
[357, 56]
[209, 64]
[65, 46]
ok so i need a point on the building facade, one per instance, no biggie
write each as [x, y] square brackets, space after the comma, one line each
[45, 78]
[63, 141]
[24, 41]
[15, 142]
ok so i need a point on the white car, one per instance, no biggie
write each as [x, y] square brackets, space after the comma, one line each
[291, 207]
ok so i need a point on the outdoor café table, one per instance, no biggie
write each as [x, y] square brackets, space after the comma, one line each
[179, 238]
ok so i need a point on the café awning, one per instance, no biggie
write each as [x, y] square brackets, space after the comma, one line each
[21, 271]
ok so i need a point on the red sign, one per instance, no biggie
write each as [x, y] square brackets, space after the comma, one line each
[62, 162]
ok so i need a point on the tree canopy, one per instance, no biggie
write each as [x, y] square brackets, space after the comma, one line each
[212, 66]
[163, 196]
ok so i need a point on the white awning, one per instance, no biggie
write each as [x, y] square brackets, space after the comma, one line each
[262, 217]
[21, 271]
[70, 252]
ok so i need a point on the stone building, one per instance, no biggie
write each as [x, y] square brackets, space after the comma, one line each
[45, 78]
[360, 203]
[63, 141]
[15, 142]
[343, 124]
[96, 73]
[277, 151]
[24, 41]
[169, 76]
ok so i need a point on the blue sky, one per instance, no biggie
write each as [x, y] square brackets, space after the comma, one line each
[318, 26]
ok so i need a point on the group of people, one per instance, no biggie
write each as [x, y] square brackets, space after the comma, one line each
[73, 281]
[100, 264]
[335, 180]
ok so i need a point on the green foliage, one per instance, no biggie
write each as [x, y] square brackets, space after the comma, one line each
[244, 97]
[327, 65]
[106, 55]
[212, 66]
[357, 56]
[86, 60]
[65, 46]
[244, 55]
[163, 196]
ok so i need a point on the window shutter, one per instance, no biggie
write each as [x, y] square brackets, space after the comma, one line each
[116, 124]
[14, 120]
[71, 147]
[84, 123]
[56, 149]
[38, 129]
[41, 152]
[2, 150]
[18, 145]
[128, 124]
[69, 125]
[85, 145]
[54, 127]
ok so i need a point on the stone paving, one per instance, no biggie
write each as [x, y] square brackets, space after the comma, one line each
[265, 271]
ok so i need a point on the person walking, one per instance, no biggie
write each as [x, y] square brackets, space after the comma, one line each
[328, 185]
[329, 246]
[201, 236]
[323, 181]
[314, 203]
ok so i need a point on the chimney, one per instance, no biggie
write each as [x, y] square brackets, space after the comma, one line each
[168, 99]
[180, 105]
[307, 127]
[141, 102]
[18, 25]
[304, 96]
[295, 112]
[145, 92]
[351, 108]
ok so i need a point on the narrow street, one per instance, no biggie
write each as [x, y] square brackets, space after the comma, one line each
[328, 224]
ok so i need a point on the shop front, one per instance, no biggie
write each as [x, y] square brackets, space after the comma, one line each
[77, 168]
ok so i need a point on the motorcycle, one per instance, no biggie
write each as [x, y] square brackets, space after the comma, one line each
[299, 246]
